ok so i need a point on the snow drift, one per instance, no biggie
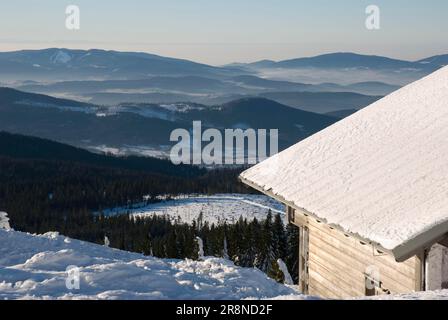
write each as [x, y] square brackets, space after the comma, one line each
[35, 267]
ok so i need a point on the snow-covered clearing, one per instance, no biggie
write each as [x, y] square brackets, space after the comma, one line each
[215, 209]
[160, 151]
[34, 267]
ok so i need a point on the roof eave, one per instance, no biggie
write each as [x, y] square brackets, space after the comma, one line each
[401, 253]
[269, 193]
[421, 242]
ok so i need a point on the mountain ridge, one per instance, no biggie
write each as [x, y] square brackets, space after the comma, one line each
[147, 124]
[53, 63]
[341, 60]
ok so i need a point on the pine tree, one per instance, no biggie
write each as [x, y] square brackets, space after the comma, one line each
[257, 245]
[279, 238]
[292, 256]
[277, 249]
[267, 254]
[225, 253]
[171, 246]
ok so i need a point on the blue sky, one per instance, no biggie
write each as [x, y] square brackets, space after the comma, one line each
[224, 31]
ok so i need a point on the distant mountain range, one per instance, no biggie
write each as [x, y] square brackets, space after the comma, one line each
[322, 102]
[112, 77]
[65, 64]
[343, 60]
[55, 62]
[441, 60]
[146, 126]
[315, 98]
[130, 102]
[345, 68]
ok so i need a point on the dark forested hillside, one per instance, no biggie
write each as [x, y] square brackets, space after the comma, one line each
[150, 125]
[26, 147]
[47, 186]
[40, 177]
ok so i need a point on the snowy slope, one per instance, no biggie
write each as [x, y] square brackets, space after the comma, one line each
[34, 267]
[215, 209]
[428, 295]
[381, 174]
[425, 295]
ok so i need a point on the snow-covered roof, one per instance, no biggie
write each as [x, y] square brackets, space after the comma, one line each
[380, 174]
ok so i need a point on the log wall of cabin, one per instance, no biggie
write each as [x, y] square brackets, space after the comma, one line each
[338, 264]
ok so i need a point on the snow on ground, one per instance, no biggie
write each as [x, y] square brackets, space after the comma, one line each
[34, 267]
[181, 107]
[160, 151]
[215, 209]
[61, 57]
[428, 295]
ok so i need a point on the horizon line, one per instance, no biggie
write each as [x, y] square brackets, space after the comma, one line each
[227, 64]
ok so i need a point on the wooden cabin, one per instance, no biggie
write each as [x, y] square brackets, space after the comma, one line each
[370, 196]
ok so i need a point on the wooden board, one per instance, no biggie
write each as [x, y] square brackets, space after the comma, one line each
[338, 264]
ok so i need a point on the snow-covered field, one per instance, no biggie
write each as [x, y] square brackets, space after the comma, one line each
[215, 209]
[160, 152]
[34, 267]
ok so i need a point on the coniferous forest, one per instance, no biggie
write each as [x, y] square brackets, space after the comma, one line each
[42, 192]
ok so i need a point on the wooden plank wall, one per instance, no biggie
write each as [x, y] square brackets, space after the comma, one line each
[338, 264]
